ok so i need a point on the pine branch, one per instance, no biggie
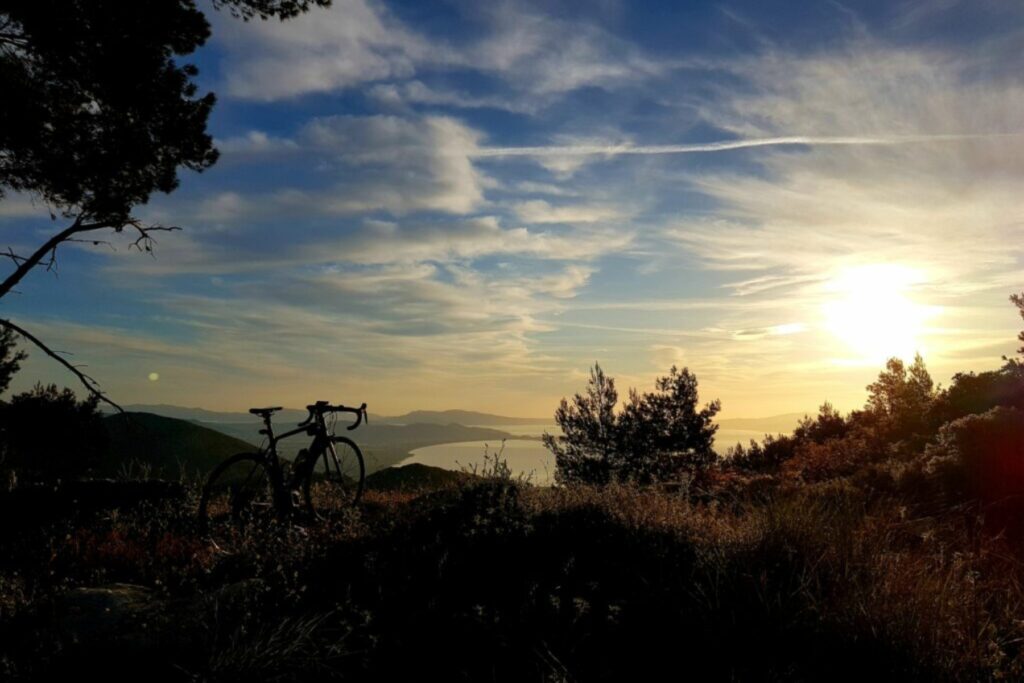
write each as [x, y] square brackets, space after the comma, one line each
[91, 385]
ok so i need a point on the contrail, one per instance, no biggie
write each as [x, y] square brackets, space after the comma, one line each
[718, 146]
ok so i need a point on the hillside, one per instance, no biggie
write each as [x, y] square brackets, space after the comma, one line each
[413, 477]
[781, 424]
[204, 416]
[166, 445]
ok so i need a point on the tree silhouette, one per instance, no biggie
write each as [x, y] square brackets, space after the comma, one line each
[665, 433]
[900, 399]
[99, 111]
[587, 450]
[1018, 301]
[47, 433]
[657, 437]
[10, 358]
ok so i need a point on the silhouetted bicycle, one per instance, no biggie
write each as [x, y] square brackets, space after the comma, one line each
[330, 473]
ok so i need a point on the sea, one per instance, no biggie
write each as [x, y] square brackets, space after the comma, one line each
[526, 455]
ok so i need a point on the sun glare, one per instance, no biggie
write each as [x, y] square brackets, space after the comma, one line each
[871, 310]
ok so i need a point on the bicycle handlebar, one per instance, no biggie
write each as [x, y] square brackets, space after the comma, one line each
[321, 407]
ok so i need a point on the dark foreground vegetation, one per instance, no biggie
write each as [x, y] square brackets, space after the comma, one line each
[884, 544]
[496, 580]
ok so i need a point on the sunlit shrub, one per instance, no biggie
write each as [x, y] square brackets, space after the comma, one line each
[815, 462]
[981, 456]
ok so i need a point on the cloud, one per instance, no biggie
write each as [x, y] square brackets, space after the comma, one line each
[254, 143]
[373, 243]
[947, 199]
[540, 211]
[416, 92]
[545, 55]
[18, 205]
[613, 150]
[346, 165]
[773, 330]
[357, 42]
[350, 43]
[468, 239]
[404, 164]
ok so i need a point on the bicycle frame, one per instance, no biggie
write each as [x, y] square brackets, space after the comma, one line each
[321, 439]
[314, 425]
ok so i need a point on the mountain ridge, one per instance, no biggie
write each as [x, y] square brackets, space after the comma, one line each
[165, 445]
[469, 418]
[463, 417]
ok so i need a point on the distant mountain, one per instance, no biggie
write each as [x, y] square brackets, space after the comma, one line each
[203, 415]
[294, 415]
[462, 417]
[166, 445]
[784, 423]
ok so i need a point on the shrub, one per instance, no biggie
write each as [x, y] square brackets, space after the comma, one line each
[658, 436]
[981, 457]
[47, 433]
[766, 456]
[830, 459]
[972, 394]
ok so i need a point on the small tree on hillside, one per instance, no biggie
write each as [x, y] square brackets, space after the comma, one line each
[665, 432]
[900, 399]
[587, 450]
[656, 437]
[828, 424]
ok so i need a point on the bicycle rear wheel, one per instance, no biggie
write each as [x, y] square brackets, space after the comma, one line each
[239, 490]
[335, 480]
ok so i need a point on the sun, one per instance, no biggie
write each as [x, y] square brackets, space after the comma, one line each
[871, 309]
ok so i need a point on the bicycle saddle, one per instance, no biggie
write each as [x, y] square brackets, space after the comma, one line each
[264, 412]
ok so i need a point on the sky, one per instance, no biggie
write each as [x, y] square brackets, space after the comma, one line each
[432, 205]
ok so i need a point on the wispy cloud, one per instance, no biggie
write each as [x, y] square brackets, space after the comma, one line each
[612, 150]
[358, 42]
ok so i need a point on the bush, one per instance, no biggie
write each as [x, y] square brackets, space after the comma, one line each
[659, 436]
[981, 457]
[830, 459]
[47, 434]
[972, 394]
[773, 451]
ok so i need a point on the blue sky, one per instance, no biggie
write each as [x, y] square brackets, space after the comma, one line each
[455, 204]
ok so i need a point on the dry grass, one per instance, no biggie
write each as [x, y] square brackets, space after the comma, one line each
[566, 583]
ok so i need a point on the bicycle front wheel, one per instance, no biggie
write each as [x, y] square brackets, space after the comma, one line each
[239, 489]
[335, 480]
